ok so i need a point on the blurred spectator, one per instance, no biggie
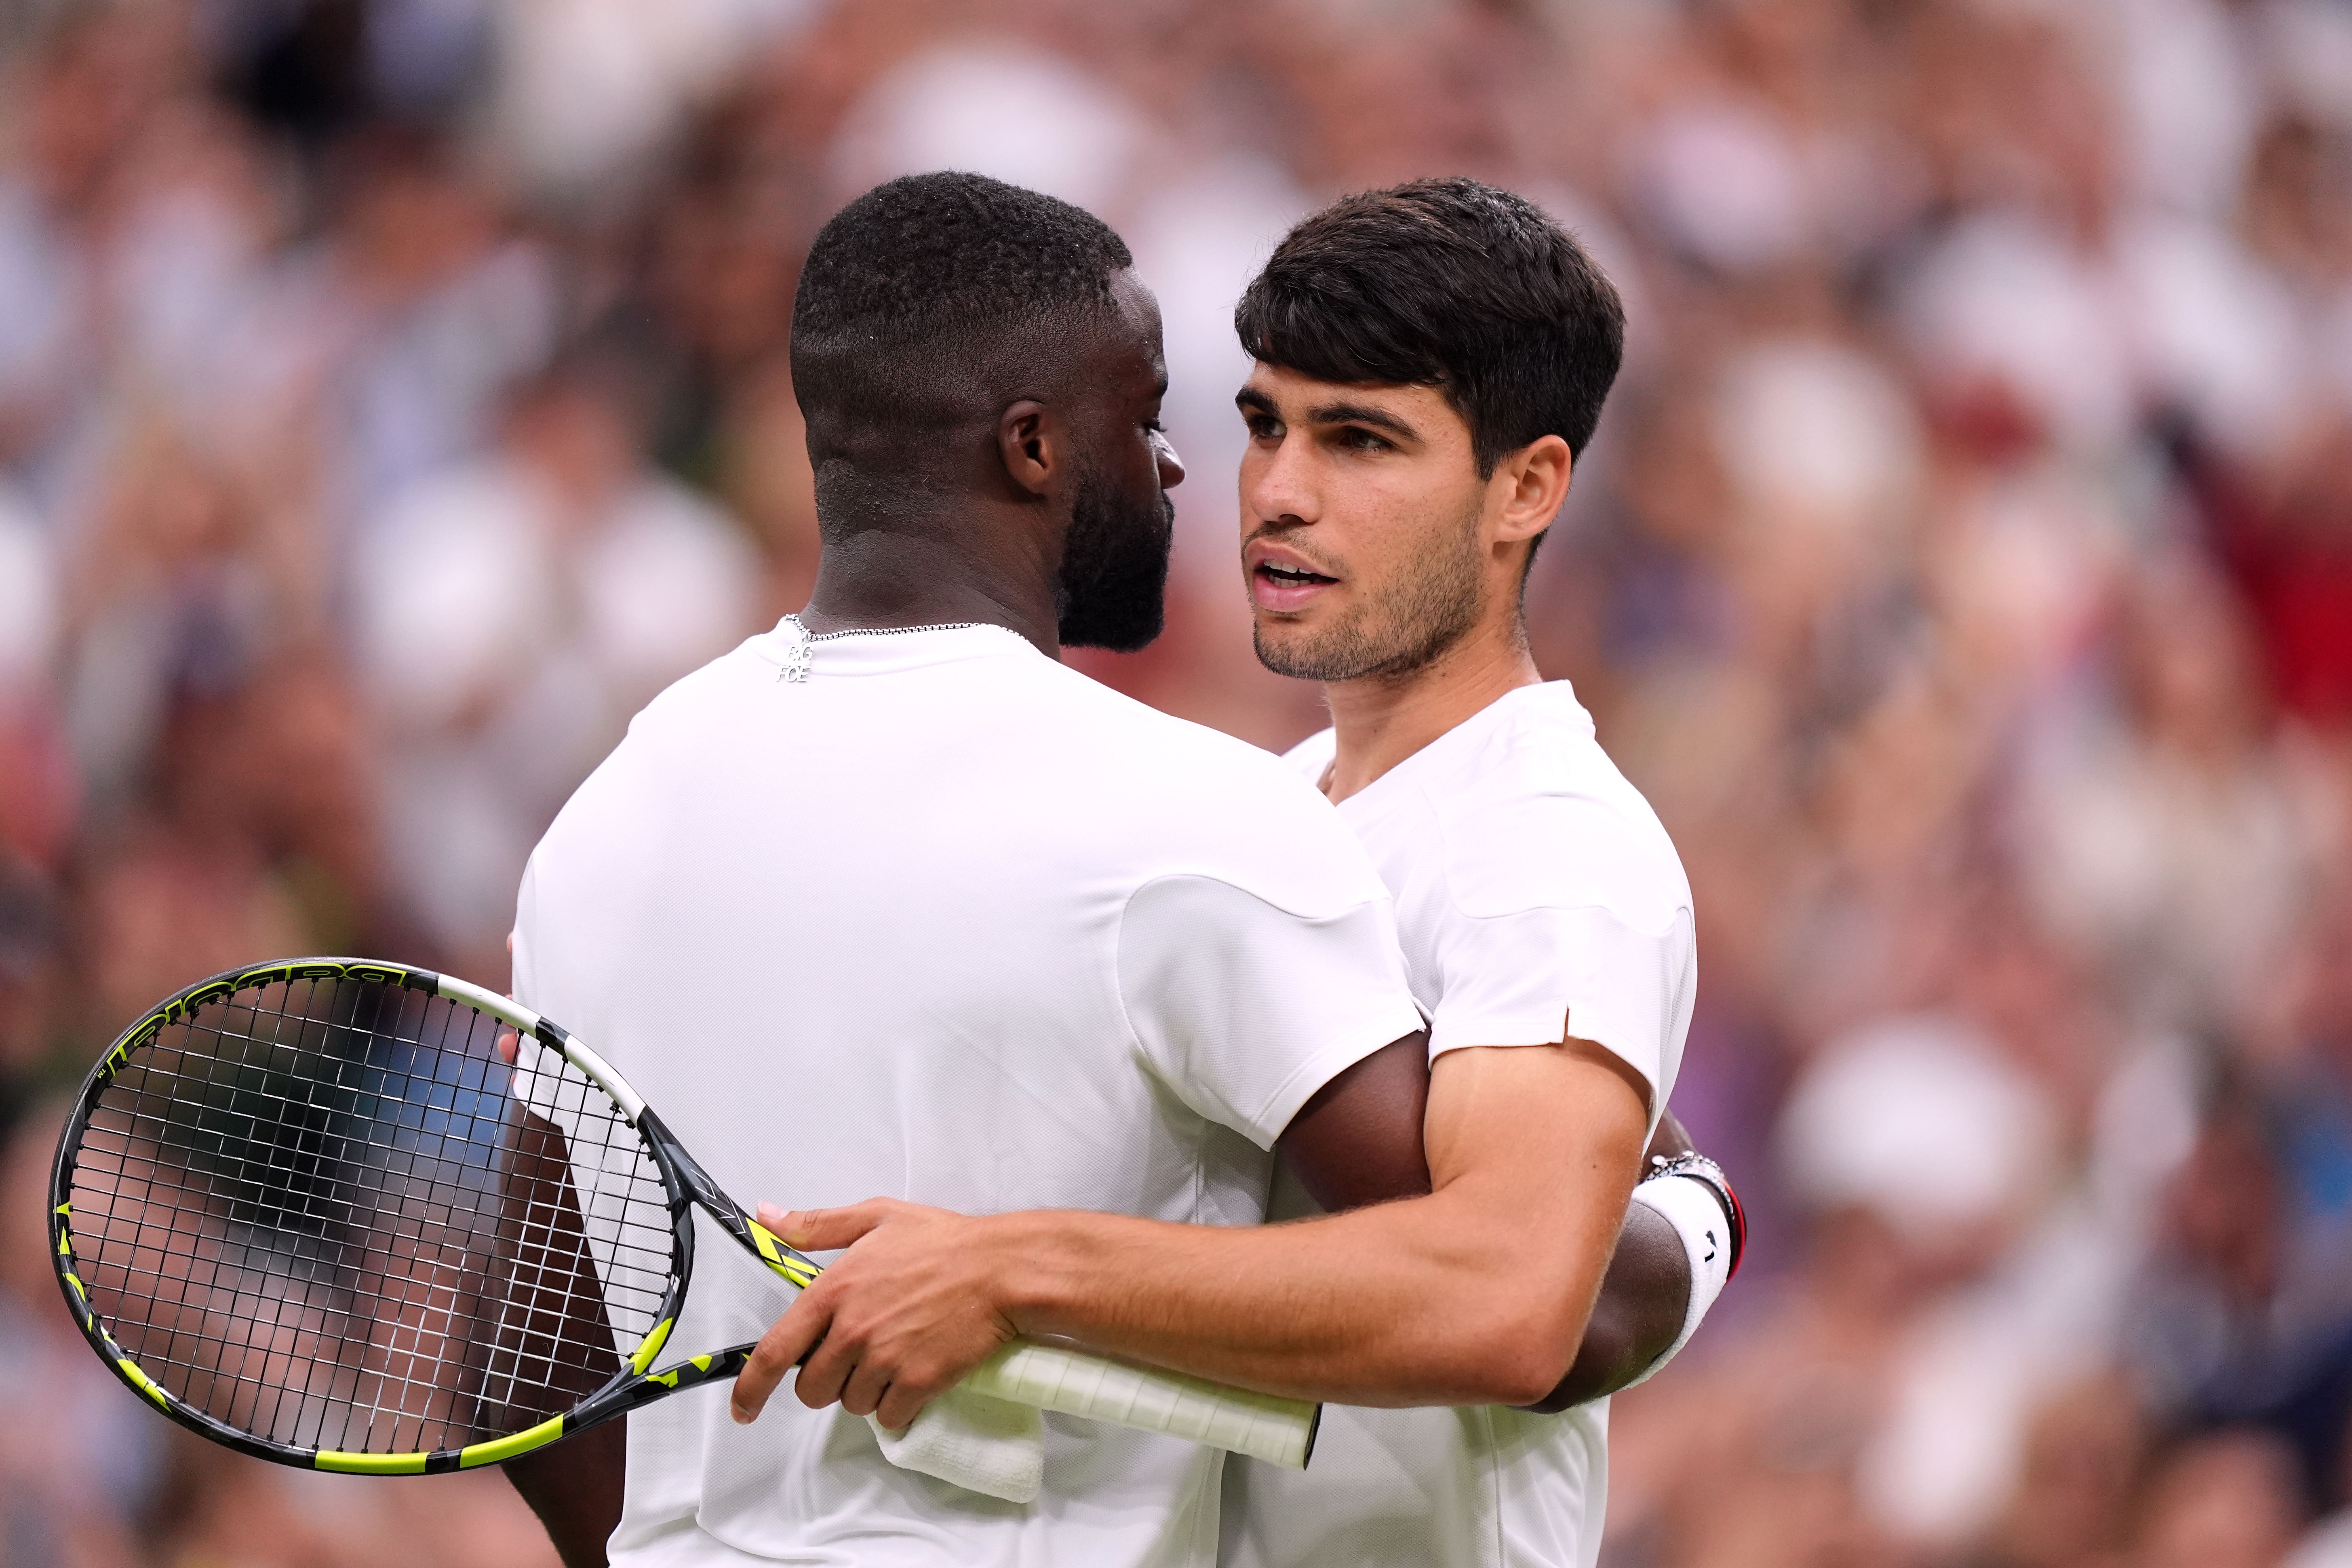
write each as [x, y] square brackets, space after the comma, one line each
[79, 1464]
[2244, 1310]
[399, 331]
[2077, 1482]
[569, 584]
[2223, 1501]
[36, 786]
[2171, 842]
[183, 581]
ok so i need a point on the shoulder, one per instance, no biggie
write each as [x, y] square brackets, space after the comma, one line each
[1181, 754]
[1221, 773]
[1543, 818]
[1217, 807]
[669, 743]
[722, 692]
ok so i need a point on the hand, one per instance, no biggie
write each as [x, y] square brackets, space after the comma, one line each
[893, 1322]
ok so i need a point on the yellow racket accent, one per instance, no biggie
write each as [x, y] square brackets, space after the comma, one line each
[652, 1347]
[773, 1253]
[352, 1464]
[523, 1442]
[669, 1379]
[146, 1385]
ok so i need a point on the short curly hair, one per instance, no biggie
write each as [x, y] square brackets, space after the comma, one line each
[921, 297]
[1449, 283]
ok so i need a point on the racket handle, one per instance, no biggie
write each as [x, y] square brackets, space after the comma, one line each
[1263, 1426]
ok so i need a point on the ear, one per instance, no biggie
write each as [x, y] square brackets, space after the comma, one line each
[1531, 483]
[1028, 441]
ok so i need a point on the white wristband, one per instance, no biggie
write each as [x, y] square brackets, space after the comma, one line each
[1690, 1205]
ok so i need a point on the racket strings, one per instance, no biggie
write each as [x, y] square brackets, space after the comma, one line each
[337, 1214]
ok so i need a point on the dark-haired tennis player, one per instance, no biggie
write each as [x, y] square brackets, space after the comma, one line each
[1430, 361]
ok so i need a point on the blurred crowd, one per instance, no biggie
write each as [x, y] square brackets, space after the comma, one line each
[393, 396]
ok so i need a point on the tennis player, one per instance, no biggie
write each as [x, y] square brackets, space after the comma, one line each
[1024, 942]
[1430, 361]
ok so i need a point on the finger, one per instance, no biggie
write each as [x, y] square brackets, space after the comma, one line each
[785, 1344]
[827, 1230]
[825, 1371]
[903, 1401]
[508, 1044]
[870, 1385]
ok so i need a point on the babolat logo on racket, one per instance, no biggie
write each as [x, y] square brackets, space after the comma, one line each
[357, 1216]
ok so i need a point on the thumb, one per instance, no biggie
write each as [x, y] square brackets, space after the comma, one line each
[824, 1230]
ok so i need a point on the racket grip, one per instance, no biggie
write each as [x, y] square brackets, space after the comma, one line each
[1264, 1425]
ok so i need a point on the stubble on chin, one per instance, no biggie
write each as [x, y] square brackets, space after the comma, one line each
[1389, 637]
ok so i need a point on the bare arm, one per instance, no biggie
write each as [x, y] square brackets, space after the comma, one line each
[558, 1314]
[575, 1489]
[1643, 1296]
[1437, 1300]
[1359, 1142]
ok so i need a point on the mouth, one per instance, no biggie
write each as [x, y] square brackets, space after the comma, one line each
[1286, 585]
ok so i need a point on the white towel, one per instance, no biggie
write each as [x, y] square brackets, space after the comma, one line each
[983, 1444]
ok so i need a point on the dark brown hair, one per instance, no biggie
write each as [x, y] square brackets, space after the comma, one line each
[1446, 283]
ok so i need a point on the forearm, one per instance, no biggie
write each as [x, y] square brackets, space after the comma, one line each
[1643, 1296]
[1643, 1300]
[559, 1321]
[575, 1488]
[1432, 1300]
[1475, 1293]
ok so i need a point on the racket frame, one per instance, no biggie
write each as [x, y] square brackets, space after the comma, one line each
[1280, 1431]
[635, 1384]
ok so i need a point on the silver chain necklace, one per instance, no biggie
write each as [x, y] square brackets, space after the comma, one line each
[800, 644]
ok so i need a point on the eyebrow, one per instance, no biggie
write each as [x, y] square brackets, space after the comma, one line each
[1360, 414]
[1250, 400]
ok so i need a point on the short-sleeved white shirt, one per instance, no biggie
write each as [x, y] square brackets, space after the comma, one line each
[1537, 893]
[951, 923]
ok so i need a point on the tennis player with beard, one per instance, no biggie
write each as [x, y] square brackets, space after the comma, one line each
[1431, 360]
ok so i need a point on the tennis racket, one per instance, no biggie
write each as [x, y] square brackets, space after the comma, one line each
[356, 1216]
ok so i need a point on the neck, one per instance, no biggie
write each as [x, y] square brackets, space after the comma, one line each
[1380, 721]
[910, 573]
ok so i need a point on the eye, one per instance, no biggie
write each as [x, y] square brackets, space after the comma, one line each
[1263, 426]
[1355, 438]
[1155, 426]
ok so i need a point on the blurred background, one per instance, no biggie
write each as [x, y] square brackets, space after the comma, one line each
[393, 396]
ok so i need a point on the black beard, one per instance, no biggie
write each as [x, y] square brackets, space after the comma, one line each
[1112, 589]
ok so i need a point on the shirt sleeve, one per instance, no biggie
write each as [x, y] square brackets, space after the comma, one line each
[1244, 1008]
[1562, 924]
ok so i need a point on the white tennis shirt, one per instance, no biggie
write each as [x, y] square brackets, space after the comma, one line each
[950, 922]
[1536, 893]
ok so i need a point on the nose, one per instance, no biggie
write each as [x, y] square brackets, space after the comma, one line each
[1275, 484]
[1171, 467]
